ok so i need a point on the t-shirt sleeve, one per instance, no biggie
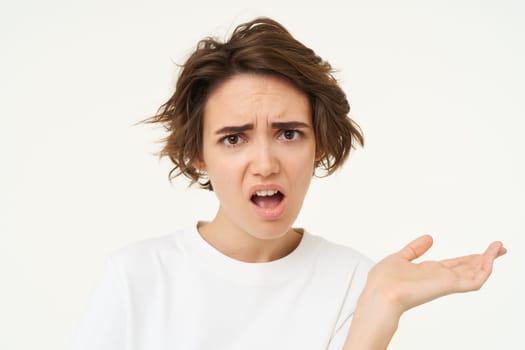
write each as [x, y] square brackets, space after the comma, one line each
[103, 325]
[358, 283]
[339, 338]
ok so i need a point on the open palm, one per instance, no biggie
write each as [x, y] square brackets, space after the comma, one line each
[406, 284]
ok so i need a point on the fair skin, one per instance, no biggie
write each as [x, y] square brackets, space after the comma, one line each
[257, 136]
[259, 152]
[397, 284]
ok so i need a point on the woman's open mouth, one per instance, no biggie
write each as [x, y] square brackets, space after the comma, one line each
[269, 203]
[267, 198]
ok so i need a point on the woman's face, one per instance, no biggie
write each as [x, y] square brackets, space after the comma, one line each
[259, 153]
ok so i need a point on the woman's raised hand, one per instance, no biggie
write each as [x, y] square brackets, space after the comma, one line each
[396, 284]
[405, 284]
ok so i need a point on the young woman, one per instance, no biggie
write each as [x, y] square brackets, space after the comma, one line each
[252, 119]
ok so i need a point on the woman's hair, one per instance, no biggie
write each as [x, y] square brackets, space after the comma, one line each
[261, 46]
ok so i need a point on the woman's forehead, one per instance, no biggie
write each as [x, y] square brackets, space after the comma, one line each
[252, 98]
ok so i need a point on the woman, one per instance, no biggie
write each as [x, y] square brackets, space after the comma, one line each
[252, 119]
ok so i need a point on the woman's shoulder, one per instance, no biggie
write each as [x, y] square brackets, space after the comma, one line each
[154, 251]
[340, 254]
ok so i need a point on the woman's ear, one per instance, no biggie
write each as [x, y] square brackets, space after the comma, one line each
[199, 165]
[319, 154]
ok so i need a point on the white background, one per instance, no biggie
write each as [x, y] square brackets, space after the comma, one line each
[438, 88]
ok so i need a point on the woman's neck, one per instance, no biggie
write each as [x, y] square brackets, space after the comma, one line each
[240, 245]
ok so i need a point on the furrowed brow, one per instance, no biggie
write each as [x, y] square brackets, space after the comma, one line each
[289, 125]
[234, 129]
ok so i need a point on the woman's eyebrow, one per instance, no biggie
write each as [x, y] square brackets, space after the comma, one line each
[234, 129]
[289, 125]
[276, 125]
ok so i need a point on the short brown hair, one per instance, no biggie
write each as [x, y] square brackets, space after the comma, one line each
[261, 46]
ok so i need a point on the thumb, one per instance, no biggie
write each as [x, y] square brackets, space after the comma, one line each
[416, 248]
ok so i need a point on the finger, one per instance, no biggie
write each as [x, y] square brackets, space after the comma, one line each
[494, 250]
[416, 248]
[461, 260]
[491, 252]
[502, 250]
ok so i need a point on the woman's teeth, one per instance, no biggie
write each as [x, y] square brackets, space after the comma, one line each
[267, 199]
[266, 193]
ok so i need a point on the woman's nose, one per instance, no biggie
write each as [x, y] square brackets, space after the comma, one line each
[264, 160]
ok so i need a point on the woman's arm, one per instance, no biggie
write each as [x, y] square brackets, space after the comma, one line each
[396, 284]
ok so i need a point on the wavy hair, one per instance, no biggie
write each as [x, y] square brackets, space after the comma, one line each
[261, 46]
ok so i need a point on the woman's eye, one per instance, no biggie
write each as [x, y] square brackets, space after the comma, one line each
[290, 135]
[231, 140]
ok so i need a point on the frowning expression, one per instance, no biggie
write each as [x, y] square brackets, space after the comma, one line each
[259, 153]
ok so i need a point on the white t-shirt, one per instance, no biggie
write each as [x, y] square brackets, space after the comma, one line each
[179, 292]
